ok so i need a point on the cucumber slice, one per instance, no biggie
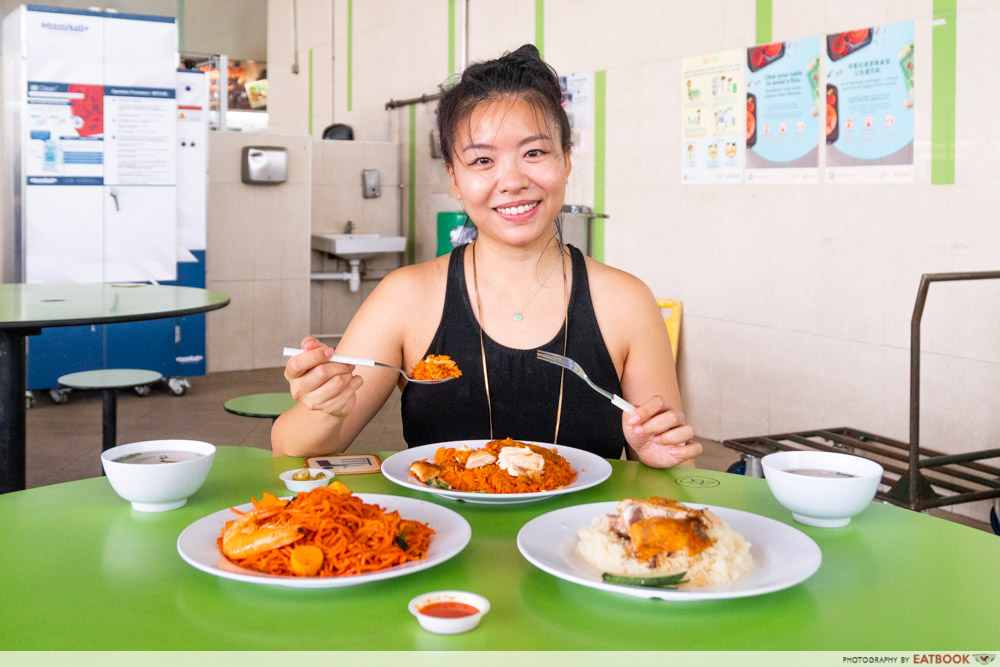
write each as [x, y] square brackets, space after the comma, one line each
[670, 581]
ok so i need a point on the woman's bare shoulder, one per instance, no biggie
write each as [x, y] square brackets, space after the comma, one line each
[615, 286]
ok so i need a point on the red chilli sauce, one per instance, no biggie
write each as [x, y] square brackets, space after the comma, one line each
[448, 609]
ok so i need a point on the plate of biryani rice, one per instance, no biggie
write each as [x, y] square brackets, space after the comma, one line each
[496, 471]
[660, 548]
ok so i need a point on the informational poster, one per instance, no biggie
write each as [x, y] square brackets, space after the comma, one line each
[578, 98]
[713, 104]
[869, 105]
[141, 124]
[783, 112]
[63, 138]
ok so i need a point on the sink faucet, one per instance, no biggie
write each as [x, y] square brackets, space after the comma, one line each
[349, 227]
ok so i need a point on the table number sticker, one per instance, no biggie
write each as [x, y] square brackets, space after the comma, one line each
[346, 464]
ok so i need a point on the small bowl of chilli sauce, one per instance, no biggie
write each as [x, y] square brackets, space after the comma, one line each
[449, 612]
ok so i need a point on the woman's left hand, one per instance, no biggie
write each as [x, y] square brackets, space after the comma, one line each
[659, 435]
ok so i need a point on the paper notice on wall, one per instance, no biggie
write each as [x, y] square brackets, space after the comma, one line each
[869, 105]
[783, 112]
[140, 129]
[713, 117]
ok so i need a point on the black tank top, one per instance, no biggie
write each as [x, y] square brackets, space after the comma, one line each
[524, 391]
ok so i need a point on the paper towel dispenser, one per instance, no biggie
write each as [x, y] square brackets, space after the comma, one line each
[264, 164]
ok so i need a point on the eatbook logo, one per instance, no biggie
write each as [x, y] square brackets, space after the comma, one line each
[984, 658]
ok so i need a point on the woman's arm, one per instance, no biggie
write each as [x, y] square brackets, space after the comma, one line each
[657, 432]
[336, 401]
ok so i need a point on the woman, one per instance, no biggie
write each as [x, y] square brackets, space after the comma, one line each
[491, 304]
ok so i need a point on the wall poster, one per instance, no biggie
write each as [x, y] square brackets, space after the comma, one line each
[713, 103]
[869, 105]
[783, 112]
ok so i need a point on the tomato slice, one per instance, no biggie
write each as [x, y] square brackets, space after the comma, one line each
[831, 119]
[839, 45]
[757, 57]
[773, 49]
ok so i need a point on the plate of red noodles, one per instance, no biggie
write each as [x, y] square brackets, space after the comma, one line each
[566, 470]
[351, 535]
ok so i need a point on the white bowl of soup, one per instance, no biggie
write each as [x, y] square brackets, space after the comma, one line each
[822, 489]
[158, 475]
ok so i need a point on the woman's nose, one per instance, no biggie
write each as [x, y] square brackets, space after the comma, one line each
[512, 178]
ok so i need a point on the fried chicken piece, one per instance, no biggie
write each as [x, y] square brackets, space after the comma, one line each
[424, 471]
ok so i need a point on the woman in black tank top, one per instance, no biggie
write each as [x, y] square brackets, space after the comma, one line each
[493, 304]
[524, 392]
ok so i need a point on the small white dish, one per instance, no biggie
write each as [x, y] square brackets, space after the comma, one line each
[160, 486]
[448, 625]
[296, 485]
[829, 501]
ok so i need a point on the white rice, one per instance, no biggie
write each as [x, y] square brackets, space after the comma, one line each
[724, 562]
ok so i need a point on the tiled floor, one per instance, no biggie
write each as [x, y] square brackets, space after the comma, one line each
[64, 441]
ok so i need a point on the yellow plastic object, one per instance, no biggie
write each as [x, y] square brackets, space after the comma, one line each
[672, 311]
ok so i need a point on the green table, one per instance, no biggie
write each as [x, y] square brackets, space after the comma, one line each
[27, 308]
[82, 571]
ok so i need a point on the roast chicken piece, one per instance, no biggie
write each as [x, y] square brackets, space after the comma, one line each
[424, 471]
[656, 525]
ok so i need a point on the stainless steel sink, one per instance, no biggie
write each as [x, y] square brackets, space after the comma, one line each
[357, 246]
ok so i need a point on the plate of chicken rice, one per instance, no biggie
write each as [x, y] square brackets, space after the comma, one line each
[660, 548]
[496, 471]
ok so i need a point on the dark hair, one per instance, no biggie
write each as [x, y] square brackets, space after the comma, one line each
[520, 74]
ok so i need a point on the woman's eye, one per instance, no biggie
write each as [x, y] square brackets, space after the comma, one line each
[481, 161]
[534, 152]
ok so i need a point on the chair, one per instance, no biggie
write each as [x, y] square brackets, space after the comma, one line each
[260, 405]
[672, 311]
[108, 380]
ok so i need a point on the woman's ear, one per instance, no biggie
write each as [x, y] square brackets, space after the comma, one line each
[568, 162]
[454, 182]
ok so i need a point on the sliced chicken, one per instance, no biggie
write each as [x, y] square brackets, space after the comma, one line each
[478, 459]
[519, 461]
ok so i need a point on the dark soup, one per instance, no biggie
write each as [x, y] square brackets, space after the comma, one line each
[159, 456]
[816, 472]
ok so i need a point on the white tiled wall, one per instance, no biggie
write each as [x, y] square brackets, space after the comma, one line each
[257, 253]
[797, 299]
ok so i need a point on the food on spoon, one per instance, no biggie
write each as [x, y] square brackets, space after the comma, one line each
[435, 367]
[327, 532]
[650, 539]
[499, 466]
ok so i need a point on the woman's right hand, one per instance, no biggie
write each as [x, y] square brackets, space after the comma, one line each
[320, 384]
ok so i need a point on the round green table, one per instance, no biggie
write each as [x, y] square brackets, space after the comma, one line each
[109, 380]
[270, 406]
[25, 309]
[83, 571]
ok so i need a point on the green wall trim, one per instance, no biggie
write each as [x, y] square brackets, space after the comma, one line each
[411, 251]
[451, 37]
[764, 11]
[540, 26]
[600, 95]
[180, 25]
[943, 93]
[350, 49]
[310, 92]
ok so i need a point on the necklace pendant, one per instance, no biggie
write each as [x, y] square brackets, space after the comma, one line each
[518, 317]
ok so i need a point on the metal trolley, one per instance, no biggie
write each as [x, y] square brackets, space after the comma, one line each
[913, 474]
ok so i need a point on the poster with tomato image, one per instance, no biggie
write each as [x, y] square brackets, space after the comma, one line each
[869, 104]
[783, 112]
[713, 102]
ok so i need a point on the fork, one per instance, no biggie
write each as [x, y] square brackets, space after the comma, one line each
[361, 361]
[569, 364]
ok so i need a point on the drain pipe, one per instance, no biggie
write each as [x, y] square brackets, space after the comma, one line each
[352, 277]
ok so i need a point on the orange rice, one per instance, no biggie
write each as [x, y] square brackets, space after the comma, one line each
[556, 473]
[435, 367]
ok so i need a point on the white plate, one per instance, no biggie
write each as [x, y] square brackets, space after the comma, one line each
[199, 547]
[782, 555]
[591, 470]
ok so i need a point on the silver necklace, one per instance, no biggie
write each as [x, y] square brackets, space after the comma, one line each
[518, 312]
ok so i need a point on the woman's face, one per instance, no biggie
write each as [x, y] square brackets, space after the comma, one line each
[509, 171]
